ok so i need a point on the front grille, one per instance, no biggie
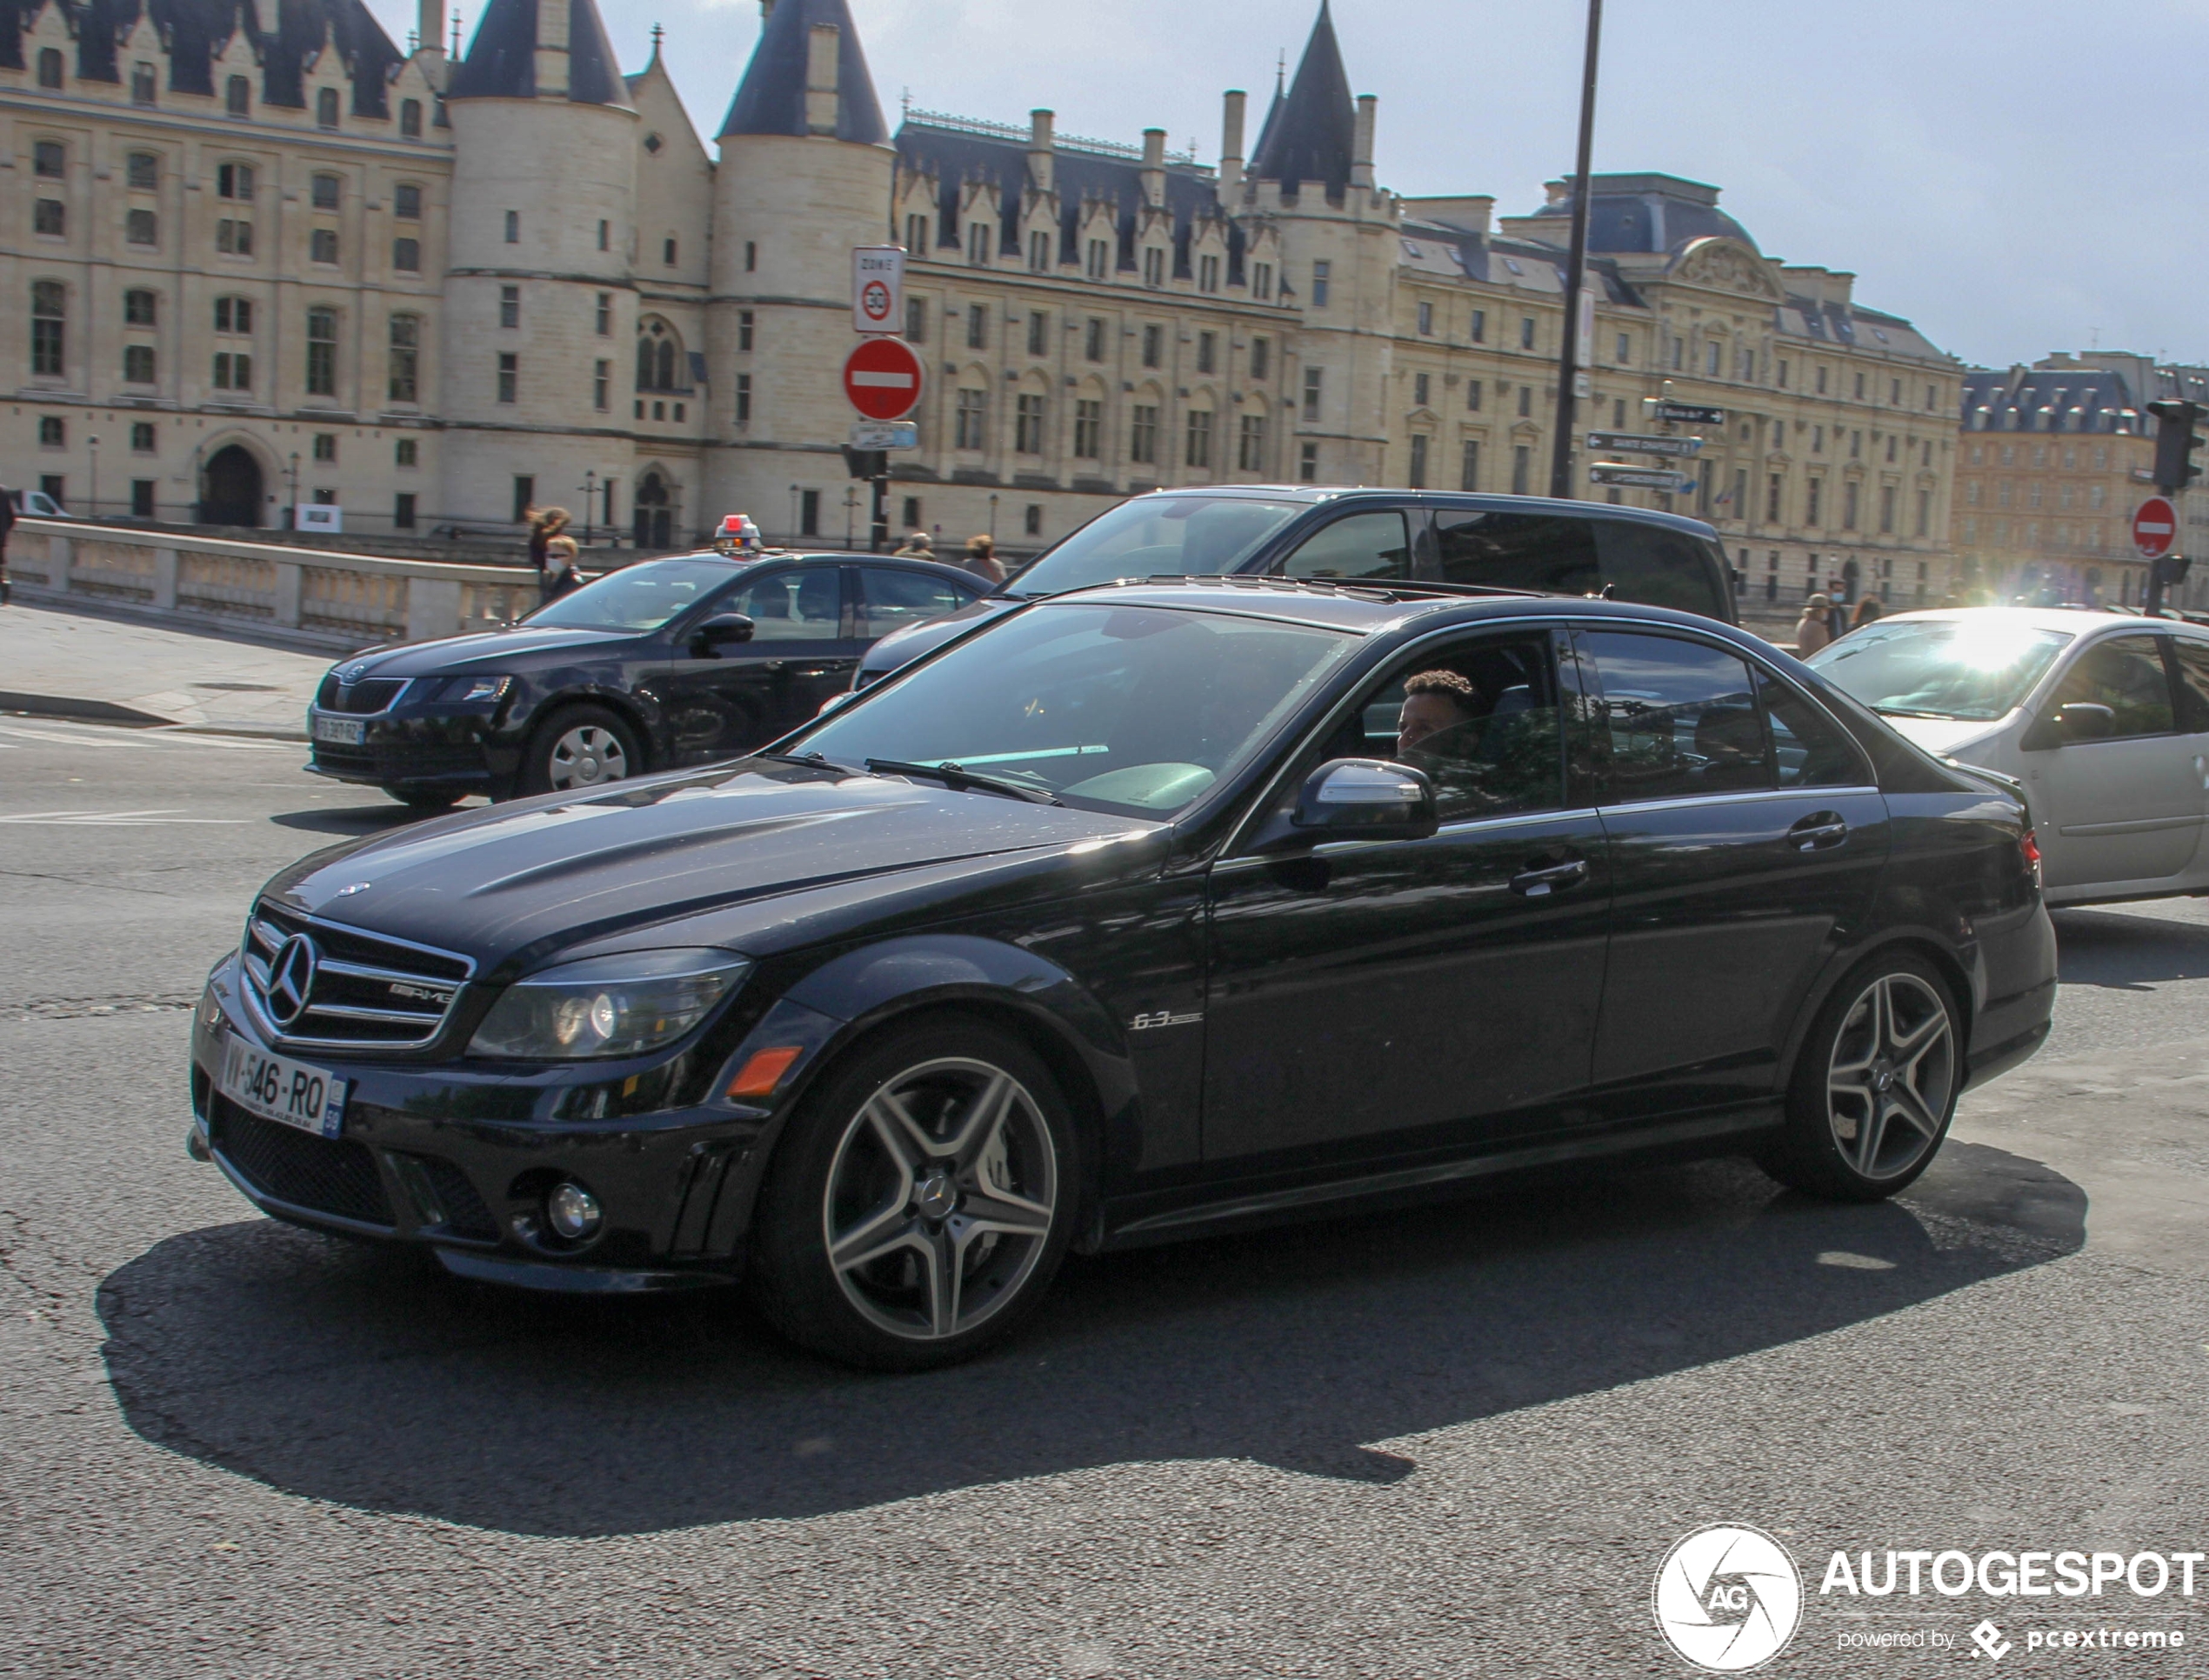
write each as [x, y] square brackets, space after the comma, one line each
[458, 1208]
[374, 694]
[361, 991]
[327, 1175]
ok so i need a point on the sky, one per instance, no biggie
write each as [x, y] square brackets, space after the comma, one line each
[1998, 173]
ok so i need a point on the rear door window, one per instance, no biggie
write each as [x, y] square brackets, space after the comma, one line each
[1363, 545]
[1553, 554]
[1679, 718]
[891, 599]
[1659, 568]
[796, 604]
[2125, 674]
[1809, 749]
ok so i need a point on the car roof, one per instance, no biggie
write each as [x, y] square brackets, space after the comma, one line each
[837, 556]
[1540, 505]
[2072, 621]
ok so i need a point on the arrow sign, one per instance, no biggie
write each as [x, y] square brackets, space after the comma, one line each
[1628, 477]
[885, 435]
[1688, 413]
[881, 379]
[1644, 442]
[2155, 527]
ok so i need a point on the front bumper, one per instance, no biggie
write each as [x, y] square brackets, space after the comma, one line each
[421, 746]
[459, 1158]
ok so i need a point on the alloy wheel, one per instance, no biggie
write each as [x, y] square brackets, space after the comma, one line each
[586, 756]
[940, 1199]
[1892, 1075]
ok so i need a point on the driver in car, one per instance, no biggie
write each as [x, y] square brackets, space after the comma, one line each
[1441, 708]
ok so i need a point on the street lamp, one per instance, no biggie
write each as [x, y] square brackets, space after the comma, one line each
[1576, 270]
[851, 517]
[93, 511]
[294, 520]
[590, 486]
[993, 517]
[792, 528]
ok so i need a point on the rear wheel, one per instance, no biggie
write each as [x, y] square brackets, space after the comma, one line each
[921, 1200]
[580, 748]
[1875, 1085]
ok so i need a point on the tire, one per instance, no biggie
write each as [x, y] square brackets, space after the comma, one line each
[940, 1158]
[1875, 1086]
[426, 801]
[579, 748]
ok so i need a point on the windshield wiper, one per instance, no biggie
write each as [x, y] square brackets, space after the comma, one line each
[811, 760]
[954, 778]
[1905, 711]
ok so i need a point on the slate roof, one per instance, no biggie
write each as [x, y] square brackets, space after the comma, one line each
[771, 98]
[1310, 136]
[1649, 213]
[502, 59]
[286, 35]
[2045, 399]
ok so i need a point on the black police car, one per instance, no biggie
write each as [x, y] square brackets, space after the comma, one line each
[1144, 913]
[667, 661]
[1305, 530]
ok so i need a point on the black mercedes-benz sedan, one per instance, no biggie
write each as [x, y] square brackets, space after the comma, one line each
[1152, 910]
[670, 662]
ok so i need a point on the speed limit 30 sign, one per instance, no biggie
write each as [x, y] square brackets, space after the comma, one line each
[878, 289]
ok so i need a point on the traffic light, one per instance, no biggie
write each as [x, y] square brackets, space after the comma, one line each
[875, 463]
[2175, 442]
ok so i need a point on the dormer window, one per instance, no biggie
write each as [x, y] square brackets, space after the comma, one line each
[237, 96]
[326, 108]
[977, 244]
[410, 118]
[142, 84]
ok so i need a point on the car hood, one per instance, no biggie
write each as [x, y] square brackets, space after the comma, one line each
[511, 885]
[1957, 738]
[902, 647]
[486, 650]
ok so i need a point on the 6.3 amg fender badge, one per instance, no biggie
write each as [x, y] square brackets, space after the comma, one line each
[1163, 1018]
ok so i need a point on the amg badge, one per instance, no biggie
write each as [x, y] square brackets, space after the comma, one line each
[1163, 1018]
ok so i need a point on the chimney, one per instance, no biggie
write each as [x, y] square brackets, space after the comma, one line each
[822, 47]
[1230, 148]
[429, 29]
[1468, 213]
[1361, 145]
[1154, 167]
[1039, 150]
[551, 49]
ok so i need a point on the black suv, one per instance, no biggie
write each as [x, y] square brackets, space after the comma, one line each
[669, 661]
[1306, 530]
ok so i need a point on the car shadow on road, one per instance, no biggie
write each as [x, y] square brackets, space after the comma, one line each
[369, 1378]
[2123, 952]
[351, 820]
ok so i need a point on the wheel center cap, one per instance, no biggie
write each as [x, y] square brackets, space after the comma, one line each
[1883, 1078]
[935, 1196]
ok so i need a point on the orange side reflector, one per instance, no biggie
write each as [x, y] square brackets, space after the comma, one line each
[759, 1075]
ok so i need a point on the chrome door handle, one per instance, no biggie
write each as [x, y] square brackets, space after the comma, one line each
[774, 664]
[1545, 878]
[1820, 831]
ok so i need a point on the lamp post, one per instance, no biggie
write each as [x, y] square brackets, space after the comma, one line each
[851, 517]
[590, 486]
[1576, 270]
[93, 511]
[792, 528]
[994, 517]
[293, 519]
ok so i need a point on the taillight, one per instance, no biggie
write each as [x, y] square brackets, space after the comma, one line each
[2030, 849]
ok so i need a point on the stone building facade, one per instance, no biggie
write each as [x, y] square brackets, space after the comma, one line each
[522, 275]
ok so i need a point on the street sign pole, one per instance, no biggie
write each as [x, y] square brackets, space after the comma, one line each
[1576, 268]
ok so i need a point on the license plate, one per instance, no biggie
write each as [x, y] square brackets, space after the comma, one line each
[278, 1089]
[338, 731]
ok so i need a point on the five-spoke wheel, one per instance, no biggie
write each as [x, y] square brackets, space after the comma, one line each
[921, 1202]
[1875, 1085]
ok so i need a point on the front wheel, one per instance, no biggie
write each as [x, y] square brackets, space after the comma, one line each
[577, 749]
[1875, 1085]
[921, 1201]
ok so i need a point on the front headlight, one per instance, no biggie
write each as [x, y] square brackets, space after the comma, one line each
[607, 1005]
[463, 691]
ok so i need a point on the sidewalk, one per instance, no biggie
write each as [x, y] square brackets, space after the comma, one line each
[74, 664]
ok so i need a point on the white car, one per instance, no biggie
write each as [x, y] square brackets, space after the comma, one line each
[37, 504]
[2103, 716]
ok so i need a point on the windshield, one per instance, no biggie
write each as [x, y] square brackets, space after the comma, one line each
[639, 597]
[1962, 667]
[1137, 710]
[1158, 536]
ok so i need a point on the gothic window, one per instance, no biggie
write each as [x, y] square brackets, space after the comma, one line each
[142, 84]
[659, 358]
[326, 108]
[410, 119]
[50, 67]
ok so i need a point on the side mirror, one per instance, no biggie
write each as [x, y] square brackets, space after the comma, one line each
[1365, 799]
[721, 628]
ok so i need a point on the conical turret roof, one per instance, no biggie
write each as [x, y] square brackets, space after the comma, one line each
[771, 98]
[502, 59]
[1310, 136]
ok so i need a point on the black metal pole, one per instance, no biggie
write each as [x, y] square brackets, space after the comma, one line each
[1576, 270]
[878, 527]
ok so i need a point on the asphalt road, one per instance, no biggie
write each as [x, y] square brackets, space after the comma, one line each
[1454, 1442]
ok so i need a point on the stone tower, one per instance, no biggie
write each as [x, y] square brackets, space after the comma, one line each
[804, 176]
[543, 179]
[1310, 178]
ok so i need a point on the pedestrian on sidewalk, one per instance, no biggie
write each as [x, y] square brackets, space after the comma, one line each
[545, 523]
[915, 547]
[7, 524]
[982, 559]
[1869, 610]
[1814, 629]
[563, 573]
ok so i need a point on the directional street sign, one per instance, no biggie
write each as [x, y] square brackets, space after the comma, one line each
[2155, 527]
[885, 435]
[1626, 476]
[1688, 413]
[882, 378]
[878, 289]
[1644, 442]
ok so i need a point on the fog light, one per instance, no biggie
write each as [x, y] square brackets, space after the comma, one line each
[572, 1211]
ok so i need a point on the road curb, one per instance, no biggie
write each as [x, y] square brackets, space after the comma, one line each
[122, 717]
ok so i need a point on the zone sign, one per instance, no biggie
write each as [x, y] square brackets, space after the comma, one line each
[878, 289]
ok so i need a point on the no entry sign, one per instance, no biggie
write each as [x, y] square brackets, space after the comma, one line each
[882, 378]
[2155, 527]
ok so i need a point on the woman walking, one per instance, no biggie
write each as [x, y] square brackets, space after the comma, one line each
[1814, 629]
[545, 523]
[1869, 610]
[982, 559]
